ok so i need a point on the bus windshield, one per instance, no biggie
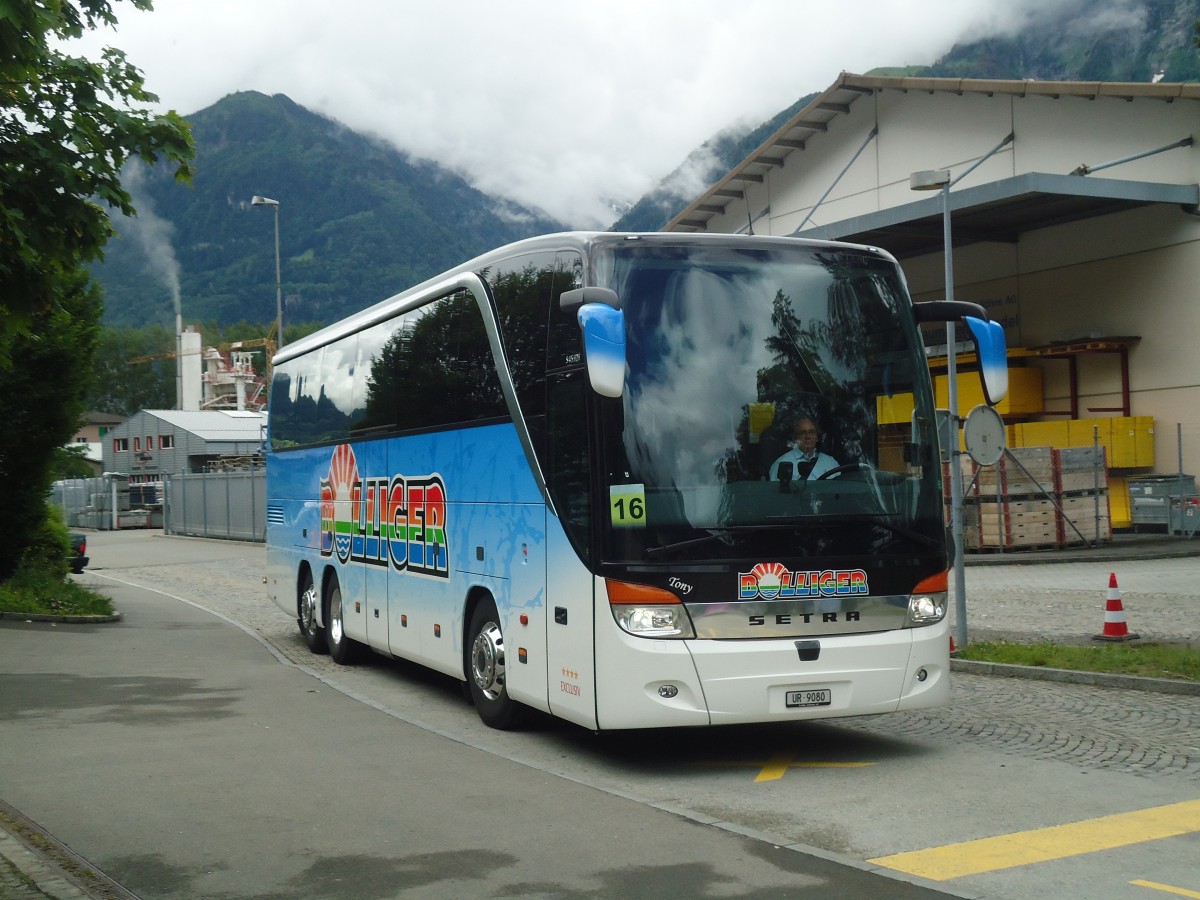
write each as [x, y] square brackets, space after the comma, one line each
[775, 403]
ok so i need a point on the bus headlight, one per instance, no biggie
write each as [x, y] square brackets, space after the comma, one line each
[927, 602]
[648, 611]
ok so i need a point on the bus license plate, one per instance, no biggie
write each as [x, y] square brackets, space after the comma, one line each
[823, 697]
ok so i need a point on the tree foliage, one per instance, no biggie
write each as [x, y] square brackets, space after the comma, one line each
[41, 402]
[67, 127]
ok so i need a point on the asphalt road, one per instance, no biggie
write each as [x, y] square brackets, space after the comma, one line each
[216, 757]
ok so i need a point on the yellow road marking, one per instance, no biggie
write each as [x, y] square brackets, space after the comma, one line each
[776, 767]
[1166, 888]
[1045, 844]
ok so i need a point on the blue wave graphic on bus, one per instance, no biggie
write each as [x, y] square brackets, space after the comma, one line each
[377, 520]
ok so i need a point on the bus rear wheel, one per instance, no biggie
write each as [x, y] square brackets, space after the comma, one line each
[306, 615]
[486, 669]
[342, 649]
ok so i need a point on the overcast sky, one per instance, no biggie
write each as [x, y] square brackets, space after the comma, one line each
[559, 104]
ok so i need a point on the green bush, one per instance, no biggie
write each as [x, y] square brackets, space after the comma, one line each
[47, 590]
[49, 545]
[40, 585]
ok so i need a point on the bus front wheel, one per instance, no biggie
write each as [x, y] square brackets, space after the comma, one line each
[306, 615]
[486, 669]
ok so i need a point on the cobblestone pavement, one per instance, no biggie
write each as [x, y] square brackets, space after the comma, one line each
[1150, 734]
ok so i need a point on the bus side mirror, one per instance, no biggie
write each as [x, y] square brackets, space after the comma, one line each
[987, 336]
[993, 358]
[603, 347]
[573, 299]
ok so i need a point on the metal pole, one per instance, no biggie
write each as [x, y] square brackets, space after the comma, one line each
[870, 137]
[956, 485]
[278, 280]
[1179, 445]
[1096, 479]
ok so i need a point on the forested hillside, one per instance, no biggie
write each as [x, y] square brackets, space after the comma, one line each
[358, 222]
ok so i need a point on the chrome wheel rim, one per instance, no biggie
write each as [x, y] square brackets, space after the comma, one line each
[487, 661]
[308, 609]
[335, 615]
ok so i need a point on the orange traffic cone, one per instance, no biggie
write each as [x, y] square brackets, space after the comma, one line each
[1115, 628]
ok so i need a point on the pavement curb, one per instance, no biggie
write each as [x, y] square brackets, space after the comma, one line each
[53, 868]
[65, 620]
[1072, 676]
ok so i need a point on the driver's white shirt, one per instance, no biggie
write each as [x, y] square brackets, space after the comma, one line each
[824, 463]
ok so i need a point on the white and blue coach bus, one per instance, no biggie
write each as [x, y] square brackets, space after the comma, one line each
[548, 473]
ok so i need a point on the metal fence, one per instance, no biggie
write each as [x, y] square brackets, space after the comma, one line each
[228, 505]
[107, 502]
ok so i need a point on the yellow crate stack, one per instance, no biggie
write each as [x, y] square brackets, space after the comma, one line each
[1127, 440]
[1024, 393]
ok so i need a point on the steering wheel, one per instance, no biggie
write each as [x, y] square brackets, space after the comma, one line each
[848, 467]
[882, 476]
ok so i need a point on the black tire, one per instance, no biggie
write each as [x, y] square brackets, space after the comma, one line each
[307, 601]
[486, 670]
[342, 649]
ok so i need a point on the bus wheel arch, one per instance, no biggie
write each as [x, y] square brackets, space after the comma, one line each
[343, 649]
[485, 664]
[308, 610]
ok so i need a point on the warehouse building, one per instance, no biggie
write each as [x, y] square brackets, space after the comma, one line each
[158, 442]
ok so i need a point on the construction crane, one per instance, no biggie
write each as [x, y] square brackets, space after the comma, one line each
[230, 372]
[267, 343]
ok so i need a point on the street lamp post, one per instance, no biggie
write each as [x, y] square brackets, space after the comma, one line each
[932, 180]
[939, 179]
[266, 201]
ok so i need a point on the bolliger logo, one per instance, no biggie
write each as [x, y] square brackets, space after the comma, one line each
[774, 581]
[377, 520]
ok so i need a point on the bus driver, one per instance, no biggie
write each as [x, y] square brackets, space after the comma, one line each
[806, 460]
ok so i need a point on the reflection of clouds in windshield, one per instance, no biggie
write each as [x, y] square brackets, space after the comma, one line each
[690, 399]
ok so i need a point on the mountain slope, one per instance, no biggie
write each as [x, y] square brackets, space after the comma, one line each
[358, 222]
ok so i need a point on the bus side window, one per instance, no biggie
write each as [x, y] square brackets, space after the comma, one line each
[309, 416]
[477, 394]
[436, 368]
[523, 288]
[376, 394]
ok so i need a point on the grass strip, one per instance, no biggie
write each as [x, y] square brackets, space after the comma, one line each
[1149, 659]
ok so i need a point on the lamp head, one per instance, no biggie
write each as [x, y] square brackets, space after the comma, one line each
[263, 201]
[929, 180]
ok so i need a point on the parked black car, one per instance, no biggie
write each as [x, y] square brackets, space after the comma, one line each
[78, 558]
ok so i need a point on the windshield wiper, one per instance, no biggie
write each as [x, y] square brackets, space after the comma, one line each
[790, 522]
[713, 535]
[903, 531]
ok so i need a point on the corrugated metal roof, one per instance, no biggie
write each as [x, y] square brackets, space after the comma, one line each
[215, 425]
